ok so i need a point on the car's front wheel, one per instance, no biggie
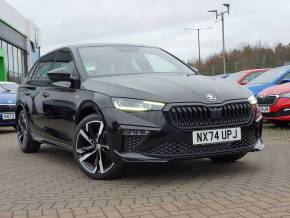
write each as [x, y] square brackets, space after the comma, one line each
[228, 158]
[91, 151]
[25, 140]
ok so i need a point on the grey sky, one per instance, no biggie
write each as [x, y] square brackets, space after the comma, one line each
[157, 22]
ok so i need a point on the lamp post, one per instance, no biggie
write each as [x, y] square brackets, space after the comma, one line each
[221, 15]
[198, 40]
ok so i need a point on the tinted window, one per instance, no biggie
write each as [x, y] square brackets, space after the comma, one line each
[253, 76]
[270, 76]
[236, 76]
[43, 67]
[114, 60]
[287, 76]
[64, 60]
[31, 72]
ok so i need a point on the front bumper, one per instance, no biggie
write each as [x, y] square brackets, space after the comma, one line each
[131, 143]
[280, 111]
[11, 122]
[139, 157]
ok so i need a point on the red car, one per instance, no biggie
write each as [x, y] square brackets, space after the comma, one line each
[243, 77]
[274, 104]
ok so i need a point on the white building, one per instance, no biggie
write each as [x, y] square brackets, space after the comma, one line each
[19, 43]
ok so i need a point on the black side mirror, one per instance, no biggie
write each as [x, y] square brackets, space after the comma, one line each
[284, 81]
[59, 74]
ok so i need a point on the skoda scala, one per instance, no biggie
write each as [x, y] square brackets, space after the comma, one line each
[115, 104]
[274, 103]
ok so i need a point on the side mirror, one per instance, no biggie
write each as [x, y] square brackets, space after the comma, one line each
[284, 81]
[59, 74]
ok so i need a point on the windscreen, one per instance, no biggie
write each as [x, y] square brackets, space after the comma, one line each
[236, 76]
[270, 76]
[253, 76]
[9, 87]
[2, 91]
[117, 60]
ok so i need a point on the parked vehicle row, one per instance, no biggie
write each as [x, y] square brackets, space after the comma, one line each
[272, 89]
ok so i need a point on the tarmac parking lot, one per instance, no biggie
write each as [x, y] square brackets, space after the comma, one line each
[49, 184]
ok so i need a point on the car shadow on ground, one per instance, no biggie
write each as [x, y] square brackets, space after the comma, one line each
[7, 130]
[202, 168]
[199, 168]
[275, 127]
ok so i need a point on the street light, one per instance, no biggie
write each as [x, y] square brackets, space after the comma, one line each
[223, 29]
[198, 40]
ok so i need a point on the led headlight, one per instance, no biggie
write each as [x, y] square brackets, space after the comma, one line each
[252, 99]
[285, 95]
[135, 105]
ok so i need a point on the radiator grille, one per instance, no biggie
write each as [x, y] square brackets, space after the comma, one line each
[7, 108]
[188, 116]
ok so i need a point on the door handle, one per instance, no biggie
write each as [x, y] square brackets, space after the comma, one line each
[45, 94]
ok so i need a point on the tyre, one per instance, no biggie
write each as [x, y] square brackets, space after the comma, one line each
[281, 124]
[91, 151]
[25, 141]
[228, 158]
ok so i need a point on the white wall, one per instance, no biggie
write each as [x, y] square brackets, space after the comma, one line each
[12, 17]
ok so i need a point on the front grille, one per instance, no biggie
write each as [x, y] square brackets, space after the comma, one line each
[7, 108]
[268, 100]
[187, 148]
[191, 116]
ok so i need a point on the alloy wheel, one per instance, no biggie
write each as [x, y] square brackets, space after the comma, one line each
[92, 152]
[22, 129]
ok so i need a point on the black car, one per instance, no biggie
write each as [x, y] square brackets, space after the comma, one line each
[112, 104]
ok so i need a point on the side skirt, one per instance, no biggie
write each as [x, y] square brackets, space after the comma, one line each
[60, 145]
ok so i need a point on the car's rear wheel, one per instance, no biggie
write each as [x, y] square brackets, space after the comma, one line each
[281, 123]
[25, 141]
[228, 158]
[91, 151]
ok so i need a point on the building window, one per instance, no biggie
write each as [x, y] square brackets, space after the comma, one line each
[15, 61]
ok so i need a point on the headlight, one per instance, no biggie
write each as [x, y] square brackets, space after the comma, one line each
[285, 95]
[134, 105]
[252, 99]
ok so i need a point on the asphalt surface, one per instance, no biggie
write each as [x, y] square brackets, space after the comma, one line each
[49, 184]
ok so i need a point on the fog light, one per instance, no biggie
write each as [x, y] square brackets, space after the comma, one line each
[135, 132]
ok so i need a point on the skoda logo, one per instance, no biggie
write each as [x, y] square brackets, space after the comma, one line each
[211, 97]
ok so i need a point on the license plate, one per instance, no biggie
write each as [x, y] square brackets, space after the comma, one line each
[265, 109]
[10, 116]
[216, 135]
